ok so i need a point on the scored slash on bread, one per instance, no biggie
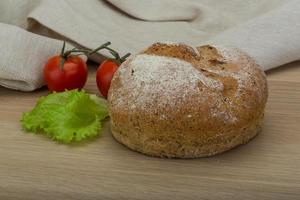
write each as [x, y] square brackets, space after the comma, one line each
[172, 101]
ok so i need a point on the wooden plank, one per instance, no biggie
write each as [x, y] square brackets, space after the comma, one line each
[34, 167]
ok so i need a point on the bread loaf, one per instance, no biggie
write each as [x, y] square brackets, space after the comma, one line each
[173, 100]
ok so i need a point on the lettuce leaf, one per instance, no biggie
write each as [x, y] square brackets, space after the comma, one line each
[67, 116]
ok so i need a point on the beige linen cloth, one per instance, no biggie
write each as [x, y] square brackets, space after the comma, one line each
[268, 30]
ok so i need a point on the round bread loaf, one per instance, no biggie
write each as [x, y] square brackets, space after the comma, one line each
[173, 100]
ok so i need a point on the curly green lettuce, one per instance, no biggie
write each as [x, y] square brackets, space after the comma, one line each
[67, 116]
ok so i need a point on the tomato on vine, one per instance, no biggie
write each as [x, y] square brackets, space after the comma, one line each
[67, 71]
[106, 71]
[104, 75]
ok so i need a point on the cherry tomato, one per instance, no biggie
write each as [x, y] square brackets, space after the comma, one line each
[104, 75]
[72, 75]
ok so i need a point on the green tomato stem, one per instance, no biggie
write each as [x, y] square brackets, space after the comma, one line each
[123, 58]
[103, 46]
[63, 49]
[87, 52]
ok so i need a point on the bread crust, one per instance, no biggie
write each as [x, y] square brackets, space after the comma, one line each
[176, 101]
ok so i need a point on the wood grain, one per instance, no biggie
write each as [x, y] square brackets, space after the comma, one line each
[34, 167]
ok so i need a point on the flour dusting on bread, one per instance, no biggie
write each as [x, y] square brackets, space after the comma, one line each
[152, 81]
[151, 76]
[177, 101]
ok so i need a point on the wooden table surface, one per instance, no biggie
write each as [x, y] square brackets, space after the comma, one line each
[34, 167]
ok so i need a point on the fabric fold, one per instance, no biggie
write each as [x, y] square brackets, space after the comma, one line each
[167, 10]
[268, 30]
[272, 39]
[23, 55]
